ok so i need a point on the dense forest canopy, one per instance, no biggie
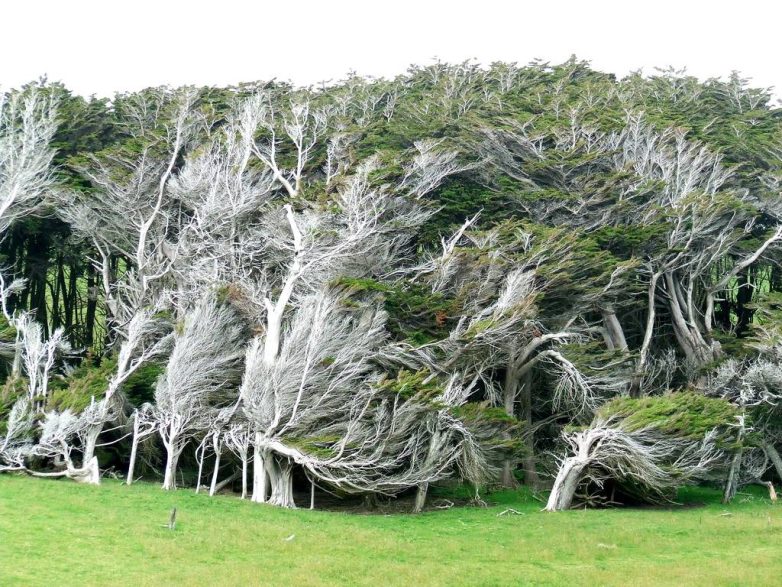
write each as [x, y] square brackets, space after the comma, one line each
[377, 285]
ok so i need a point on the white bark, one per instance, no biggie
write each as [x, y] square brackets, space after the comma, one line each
[27, 126]
[172, 457]
[420, 498]
[615, 331]
[280, 472]
[88, 474]
[217, 448]
[260, 481]
[133, 454]
[244, 477]
[144, 424]
[566, 483]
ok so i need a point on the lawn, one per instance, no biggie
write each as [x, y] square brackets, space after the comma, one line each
[59, 533]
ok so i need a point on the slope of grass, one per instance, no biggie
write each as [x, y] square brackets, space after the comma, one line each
[59, 533]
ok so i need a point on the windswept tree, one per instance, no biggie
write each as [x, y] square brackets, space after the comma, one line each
[146, 337]
[667, 203]
[27, 126]
[59, 434]
[204, 364]
[647, 447]
[500, 280]
[128, 211]
[17, 440]
[380, 284]
[126, 215]
[322, 405]
[752, 384]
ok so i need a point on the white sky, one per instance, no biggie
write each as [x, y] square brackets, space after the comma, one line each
[103, 46]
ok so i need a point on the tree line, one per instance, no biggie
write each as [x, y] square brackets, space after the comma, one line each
[501, 274]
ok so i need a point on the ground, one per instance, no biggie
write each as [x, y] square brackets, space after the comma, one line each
[54, 532]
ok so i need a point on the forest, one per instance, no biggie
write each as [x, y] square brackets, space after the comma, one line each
[465, 276]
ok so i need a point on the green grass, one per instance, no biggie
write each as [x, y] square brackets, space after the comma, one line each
[59, 533]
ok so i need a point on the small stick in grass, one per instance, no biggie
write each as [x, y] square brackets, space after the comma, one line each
[171, 520]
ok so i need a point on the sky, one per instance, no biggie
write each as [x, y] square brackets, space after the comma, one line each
[104, 46]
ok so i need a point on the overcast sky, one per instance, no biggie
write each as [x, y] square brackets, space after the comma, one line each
[103, 46]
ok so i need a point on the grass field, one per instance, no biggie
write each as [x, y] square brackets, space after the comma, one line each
[59, 533]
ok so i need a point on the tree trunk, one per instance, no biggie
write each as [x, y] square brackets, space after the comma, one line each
[172, 456]
[772, 453]
[529, 462]
[215, 474]
[271, 344]
[685, 327]
[614, 330]
[90, 443]
[566, 483]
[280, 473]
[133, 451]
[89, 473]
[260, 482]
[420, 498]
[244, 477]
[202, 449]
[510, 388]
[16, 367]
[92, 304]
[569, 475]
[744, 293]
[732, 484]
[643, 354]
[226, 482]
[507, 479]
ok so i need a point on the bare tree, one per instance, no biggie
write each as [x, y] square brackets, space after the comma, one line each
[129, 213]
[38, 357]
[144, 425]
[146, 337]
[59, 430]
[27, 126]
[238, 439]
[321, 406]
[205, 360]
[17, 443]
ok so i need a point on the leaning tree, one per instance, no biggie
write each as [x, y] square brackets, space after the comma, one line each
[645, 447]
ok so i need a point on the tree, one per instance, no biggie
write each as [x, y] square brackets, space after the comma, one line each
[27, 126]
[204, 362]
[647, 446]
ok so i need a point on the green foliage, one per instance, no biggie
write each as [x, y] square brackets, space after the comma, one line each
[322, 446]
[140, 386]
[498, 432]
[580, 266]
[10, 392]
[458, 199]
[412, 386]
[627, 241]
[90, 381]
[686, 414]
[414, 313]
[766, 331]
[7, 331]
